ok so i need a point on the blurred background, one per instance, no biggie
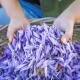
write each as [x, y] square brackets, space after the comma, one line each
[53, 8]
[35, 9]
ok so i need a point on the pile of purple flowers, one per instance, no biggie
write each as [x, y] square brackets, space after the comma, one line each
[37, 54]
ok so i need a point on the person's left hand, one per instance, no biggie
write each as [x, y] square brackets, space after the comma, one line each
[65, 24]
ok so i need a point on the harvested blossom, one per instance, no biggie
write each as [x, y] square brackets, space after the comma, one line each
[37, 54]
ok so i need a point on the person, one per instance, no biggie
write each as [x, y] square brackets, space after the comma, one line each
[65, 21]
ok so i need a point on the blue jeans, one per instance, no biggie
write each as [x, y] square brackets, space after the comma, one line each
[30, 11]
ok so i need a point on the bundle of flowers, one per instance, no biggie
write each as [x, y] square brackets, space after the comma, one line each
[38, 54]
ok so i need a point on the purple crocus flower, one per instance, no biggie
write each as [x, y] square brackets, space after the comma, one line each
[37, 54]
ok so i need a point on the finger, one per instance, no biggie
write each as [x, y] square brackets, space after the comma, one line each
[67, 36]
[10, 34]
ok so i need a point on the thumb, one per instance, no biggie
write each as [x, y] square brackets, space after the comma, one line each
[10, 34]
[67, 36]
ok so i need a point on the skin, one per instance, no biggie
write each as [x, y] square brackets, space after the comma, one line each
[17, 18]
[65, 21]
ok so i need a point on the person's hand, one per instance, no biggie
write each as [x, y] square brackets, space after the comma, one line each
[65, 23]
[16, 24]
[16, 15]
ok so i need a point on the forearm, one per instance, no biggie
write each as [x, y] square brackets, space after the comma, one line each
[73, 11]
[12, 8]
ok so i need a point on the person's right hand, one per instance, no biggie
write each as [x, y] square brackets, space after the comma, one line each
[17, 18]
[16, 24]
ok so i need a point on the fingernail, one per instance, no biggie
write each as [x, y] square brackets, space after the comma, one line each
[10, 40]
[63, 40]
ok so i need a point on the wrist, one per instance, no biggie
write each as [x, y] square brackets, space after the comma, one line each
[16, 15]
[68, 15]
